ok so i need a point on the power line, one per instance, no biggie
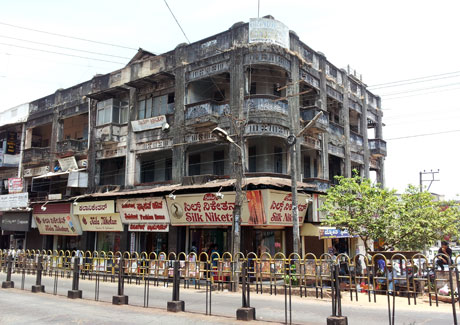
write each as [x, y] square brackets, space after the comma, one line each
[60, 53]
[427, 93]
[419, 78]
[419, 81]
[67, 36]
[63, 47]
[177, 21]
[421, 89]
[422, 135]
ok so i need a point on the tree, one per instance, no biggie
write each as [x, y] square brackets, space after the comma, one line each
[422, 221]
[363, 208]
[412, 222]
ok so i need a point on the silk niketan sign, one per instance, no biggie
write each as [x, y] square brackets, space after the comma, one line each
[278, 206]
[95, 207]
[106, 222]
[150, 210]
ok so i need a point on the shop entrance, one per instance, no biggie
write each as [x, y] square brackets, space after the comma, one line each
[156, 242]
[206, 240]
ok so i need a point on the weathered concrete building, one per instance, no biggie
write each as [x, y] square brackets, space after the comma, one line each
[145, 131]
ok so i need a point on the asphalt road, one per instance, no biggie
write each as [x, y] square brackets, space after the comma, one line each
[268, 307]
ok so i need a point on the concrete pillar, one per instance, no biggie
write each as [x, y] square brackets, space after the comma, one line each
[93, 176]
[346, 126]
[56, 135]
[323, 172]
[364, 133]
[178, 131]
[294, 112]
[130, 165]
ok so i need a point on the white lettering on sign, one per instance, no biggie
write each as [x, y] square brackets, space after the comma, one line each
[198, 137]
[209, 70]
[156, 144]
[143, 210]
[267, 128]
[148, 227]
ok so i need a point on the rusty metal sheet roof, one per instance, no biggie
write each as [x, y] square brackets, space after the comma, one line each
[273, 181]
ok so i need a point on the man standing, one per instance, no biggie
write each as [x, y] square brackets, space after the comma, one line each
[442, 253]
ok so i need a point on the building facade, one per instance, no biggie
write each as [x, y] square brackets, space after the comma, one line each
[127, 161]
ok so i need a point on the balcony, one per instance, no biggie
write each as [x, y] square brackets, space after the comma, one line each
[336, 129]
[356, 157]
[356, 139]
[377, 147]
[320, 183]
[321, 124]
[110, 133]
[71, 146]
[36, 155]
[311, 142]
[266, 103]
[205, 113]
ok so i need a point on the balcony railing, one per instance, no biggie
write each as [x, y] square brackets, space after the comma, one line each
[36, 154]
[377, 147]
[266, 103]
[356, 139]
[206, 108]
[336, 129]
[72, 145]
[320, 183]
[311, 142]
[321, 124]
[359, 158]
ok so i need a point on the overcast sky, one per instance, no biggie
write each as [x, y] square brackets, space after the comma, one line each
[385, 41]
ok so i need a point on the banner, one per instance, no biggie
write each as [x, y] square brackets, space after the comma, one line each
[18, 200]
[57, 224]
[148, 123]
[98, 222]
[14, 185]
[278, 206]
[150, 210]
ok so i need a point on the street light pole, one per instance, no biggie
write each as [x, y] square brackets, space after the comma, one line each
[292, 139]
[238, 170]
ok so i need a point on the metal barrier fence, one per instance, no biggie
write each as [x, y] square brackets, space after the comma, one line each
[310, 275]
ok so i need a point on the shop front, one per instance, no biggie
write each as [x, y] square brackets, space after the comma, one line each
[15, 226]
[101, 222]
[57, 221]
[148, 223]
[266, 220]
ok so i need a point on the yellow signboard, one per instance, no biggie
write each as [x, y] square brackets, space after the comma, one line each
[95, 207]
[101, 222]
[57, 224]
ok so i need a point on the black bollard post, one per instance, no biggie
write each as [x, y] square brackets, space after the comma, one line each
[337, 308]
[120, 299]
[38, 287]
[75, 293]
[176, 305]
[8, 283]
[246, 312]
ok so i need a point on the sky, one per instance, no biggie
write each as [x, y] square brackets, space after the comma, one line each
[384, 41]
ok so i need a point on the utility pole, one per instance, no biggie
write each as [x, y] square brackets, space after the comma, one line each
[432, 173]
[291, 140]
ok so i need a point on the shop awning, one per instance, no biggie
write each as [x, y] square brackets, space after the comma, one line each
[51, 174]
[309, 229]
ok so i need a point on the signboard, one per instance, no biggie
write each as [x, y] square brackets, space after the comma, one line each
[18, 200]
[148, 227]
[209, 70]
[264, 30]
[278, 206]
[150, 210]
[57, 224]
[56, 196]
[95, 207]
[9, 160]
[148, 123]
[101, 222]
[14, 185]
[37, 171]
[11, 143]
[204, 209]
[333, 233]
[68, 163]
[15, 221]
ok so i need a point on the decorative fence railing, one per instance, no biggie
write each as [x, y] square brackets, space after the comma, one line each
[310, 275]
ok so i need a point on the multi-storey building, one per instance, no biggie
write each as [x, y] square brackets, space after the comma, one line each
[143, 133]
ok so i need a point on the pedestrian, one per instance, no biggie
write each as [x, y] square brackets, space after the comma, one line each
[444, 255]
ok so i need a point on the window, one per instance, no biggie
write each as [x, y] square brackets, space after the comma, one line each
[276, 90]
[278, 160]
[154, 106]
[112, 111]
[252, 159]
[194, 164]
[306, 167]
[218, 163]
[168, 169]
[253, 89]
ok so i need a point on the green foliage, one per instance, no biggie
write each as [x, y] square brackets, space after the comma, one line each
[412, 222]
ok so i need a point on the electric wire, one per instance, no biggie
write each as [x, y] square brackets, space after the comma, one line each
[60, 53]
[67, 36]
[64, 47]
[176, 21]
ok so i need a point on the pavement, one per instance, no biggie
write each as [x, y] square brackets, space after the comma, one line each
[58, 309]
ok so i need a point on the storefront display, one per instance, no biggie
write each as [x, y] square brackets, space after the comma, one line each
[100, 217]
[148, 221]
